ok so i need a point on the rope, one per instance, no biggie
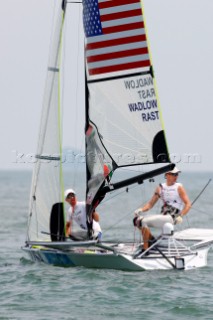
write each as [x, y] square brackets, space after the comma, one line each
[198, 196]
[201, 191]
[117, 194]
[114, 224]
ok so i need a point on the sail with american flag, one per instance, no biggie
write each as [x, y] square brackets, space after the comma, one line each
[123, 125]
[115, 36]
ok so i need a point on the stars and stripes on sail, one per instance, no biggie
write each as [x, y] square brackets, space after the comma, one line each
[115, 36]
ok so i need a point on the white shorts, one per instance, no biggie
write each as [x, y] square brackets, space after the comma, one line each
[156, 221]
[96, 229]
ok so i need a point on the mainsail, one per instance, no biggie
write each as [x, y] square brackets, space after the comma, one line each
[123, 126]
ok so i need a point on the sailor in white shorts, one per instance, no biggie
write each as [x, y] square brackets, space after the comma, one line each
[176, 204]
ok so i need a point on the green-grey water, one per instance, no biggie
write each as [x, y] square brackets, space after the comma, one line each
[41, 292]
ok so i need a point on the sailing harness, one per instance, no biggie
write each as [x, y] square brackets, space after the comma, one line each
[167, 208]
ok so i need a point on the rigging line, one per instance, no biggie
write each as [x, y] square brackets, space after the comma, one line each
[127, 189]
[198, 196]
[77, 81]
[76, 97]
[198, 210]
[103, 202]
[115, 223]
[118, 194]
[201, 191]
[63, 68]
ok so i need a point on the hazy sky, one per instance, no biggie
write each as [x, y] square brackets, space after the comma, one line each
[181, 41]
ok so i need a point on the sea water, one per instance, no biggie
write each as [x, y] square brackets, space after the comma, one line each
[40, 292]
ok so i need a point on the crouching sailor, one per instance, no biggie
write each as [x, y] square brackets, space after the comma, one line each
[77, 213]
[176, 204]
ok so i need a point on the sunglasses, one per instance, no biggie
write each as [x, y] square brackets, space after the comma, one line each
[173, 174]
[71, 195]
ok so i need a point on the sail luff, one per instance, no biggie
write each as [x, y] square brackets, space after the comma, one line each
[60, 111]
[47, 170]
[51, 68]
[155, 82]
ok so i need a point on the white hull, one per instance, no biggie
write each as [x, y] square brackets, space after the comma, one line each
[113, 261]
[191, 261]
[119, 256]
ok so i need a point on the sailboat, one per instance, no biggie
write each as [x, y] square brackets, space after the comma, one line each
[122, 117]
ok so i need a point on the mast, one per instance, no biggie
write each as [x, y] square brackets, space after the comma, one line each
[88, 175]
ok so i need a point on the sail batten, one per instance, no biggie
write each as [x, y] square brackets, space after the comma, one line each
[53, 69]
[126, 75]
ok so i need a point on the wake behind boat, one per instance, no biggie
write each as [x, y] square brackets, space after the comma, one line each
[122, 117]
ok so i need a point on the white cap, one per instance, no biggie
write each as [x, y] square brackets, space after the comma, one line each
[175, 170]
[68, 191]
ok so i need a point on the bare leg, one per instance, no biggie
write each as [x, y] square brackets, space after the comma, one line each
[95, 216]
[147, 236]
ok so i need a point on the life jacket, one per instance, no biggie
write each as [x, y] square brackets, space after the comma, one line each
[172, 203]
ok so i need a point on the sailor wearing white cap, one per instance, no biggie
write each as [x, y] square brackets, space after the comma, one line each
[176, 204]
[77, 212]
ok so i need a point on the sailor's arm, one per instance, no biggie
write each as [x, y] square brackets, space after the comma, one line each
[187, 203]
[151, 202]
[68, 228]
